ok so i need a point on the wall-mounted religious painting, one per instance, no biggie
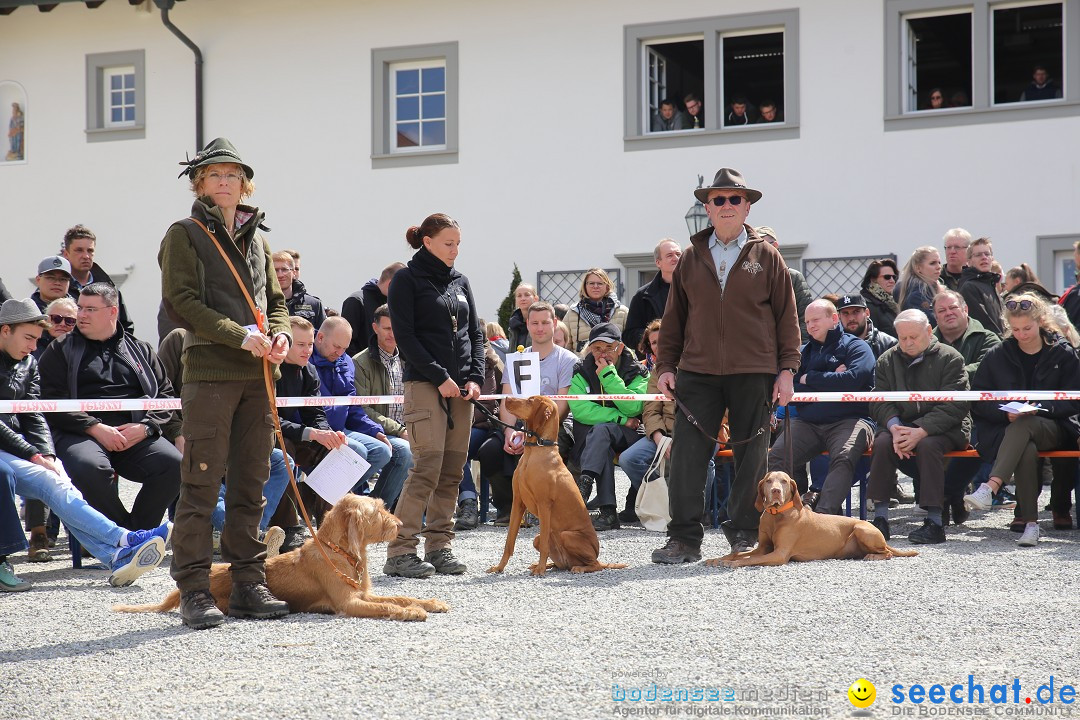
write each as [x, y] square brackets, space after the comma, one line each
[13, 111]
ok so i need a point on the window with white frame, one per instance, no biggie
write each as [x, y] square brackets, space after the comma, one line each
[116, 96]
[719, 74]
[418, 114]
[950, 63]
[119, 101]
[414, 105]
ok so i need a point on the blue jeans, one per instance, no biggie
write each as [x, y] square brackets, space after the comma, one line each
[12, 539]
[272, 491]
[635, 460]
[467, 487]
[372, 450]
[95, 532]
[393, 474]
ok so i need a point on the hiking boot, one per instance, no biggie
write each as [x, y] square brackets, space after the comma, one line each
[810, 499]
[882, 525]
[585, 485]
[981, 499]
[254, 600]
[444, 562]
[38, 552]
[468, 515]
[132, 562]
[294, 538]
[408, 566]
[605, 519]
[10, 582]
[745, 540]
[675, 552]
[198, 610]
[502, 519]
[273, 539]
[1030, 538]
[629, 517]
[929, 534]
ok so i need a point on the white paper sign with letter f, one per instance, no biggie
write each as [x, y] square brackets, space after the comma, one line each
[523, 370]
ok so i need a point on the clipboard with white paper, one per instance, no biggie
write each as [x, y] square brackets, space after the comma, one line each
[338, 472]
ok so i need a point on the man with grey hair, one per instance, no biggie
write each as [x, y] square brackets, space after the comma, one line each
[832, 361]
[956, 242]
[917, 363]
[649, 301]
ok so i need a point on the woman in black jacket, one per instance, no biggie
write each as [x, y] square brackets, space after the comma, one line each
[441, 340]
[1032, 357]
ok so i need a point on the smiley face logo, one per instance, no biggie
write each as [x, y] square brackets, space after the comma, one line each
[862, 693]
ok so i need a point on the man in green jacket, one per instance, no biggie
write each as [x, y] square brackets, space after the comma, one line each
[604, 428]
[378, 372]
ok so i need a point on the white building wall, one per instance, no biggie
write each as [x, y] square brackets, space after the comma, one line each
[542, 177]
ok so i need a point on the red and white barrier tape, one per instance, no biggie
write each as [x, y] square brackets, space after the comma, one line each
[96, 406]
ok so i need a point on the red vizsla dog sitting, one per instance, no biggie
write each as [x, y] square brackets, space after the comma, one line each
[544, 486]
[789, 531]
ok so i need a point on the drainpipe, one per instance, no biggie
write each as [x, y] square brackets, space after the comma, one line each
[165, 6]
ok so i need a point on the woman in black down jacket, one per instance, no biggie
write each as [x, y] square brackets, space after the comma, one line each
[442, 343]
[1031, 357]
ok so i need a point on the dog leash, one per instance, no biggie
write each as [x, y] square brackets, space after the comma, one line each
[271, 394]
[540, 440]
[713, 437]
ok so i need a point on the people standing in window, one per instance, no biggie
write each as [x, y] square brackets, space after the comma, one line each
[936, 99]
[877, 287]
[1041, 86]
[695, 111]
[668, 117]
[769, 113]
[919, 282]
[441, 340]
[597, 303]
[739, 114]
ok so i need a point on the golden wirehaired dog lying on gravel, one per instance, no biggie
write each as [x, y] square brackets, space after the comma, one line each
[303, 579]
[789, 531]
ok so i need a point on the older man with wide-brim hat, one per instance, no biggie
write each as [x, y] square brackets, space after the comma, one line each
[731, 331]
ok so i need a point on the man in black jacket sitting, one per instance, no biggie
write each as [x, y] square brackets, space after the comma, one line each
[100, 361]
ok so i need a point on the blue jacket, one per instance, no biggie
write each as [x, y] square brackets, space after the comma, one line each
[819, 363]
[337, 379]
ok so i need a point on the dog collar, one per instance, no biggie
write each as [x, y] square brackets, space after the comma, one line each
[541, 442]
[783, 508]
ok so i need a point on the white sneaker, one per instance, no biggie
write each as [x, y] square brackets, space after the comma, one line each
[981, 499]
[273, 538]
[1030, 538]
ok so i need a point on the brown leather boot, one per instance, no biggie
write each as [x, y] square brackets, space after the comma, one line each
[39, 545]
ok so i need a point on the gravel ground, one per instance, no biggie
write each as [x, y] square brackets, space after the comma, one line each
[784, 641]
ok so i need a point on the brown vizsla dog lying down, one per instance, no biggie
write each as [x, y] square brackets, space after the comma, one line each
[544, 486]
[789, 531]
[303, 579]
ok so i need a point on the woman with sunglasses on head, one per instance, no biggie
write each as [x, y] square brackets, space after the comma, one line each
[920, 282]
[877, 288]
[1033, 356]
[60, 315]
[597, 303]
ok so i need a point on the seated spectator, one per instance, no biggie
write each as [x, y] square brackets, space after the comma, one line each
[561, 336]
[1041, 86]
[956, 241]
[647, 345]
[803, 296]
[556, 373]
[649, 301]
[60, 318]
[919, 282]
[769, 113]
[968, 337]
[603, 429]
[695, 111]
[365, 437]
[496, 336]
[658, 418]
[379, 370]
[359, 308]
[855, 317]
[1019, 275]
[53, 281]
[80, 244]
[30, 468]
[561, 308]
[878, 284]
[300, 302]
[918, 362]
[1031, 357]
[979, 284]
[996, 268]
[738, 114]
[100, 360]
[832, 361]
[668, 118]
[597, 303]
[485, 437]
[524, 296]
